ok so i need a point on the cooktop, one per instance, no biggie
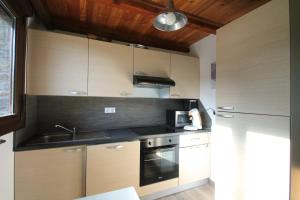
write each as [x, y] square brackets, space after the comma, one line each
[154, 130]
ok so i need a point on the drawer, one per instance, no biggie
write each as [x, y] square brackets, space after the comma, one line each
[194, 139]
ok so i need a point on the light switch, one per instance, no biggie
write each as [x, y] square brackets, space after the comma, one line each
[109, 110]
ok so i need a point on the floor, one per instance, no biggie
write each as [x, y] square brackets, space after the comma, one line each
[199, 193]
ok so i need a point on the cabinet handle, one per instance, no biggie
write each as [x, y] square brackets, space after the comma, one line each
[77, 92]
[225, 116]
[2, 141]
[175, 95]
[115, 147]
[125, 93]
[225, 107]
[73, 150]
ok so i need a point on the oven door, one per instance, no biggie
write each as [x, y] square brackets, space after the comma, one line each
[158, 164]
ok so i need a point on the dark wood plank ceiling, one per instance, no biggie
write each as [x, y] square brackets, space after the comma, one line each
[131, 20]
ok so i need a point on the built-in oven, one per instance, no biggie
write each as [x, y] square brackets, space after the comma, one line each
[159, 159]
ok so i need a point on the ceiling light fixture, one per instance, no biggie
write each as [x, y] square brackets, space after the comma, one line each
[170, 20]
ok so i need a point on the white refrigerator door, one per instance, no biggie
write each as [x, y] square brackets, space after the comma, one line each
[252, 157]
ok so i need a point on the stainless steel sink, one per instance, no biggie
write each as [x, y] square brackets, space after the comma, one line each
[56, 138]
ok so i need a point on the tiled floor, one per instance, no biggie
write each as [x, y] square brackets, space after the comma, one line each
[199, 193]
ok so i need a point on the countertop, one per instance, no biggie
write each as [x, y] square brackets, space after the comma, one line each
[126, 193]
[100, 137]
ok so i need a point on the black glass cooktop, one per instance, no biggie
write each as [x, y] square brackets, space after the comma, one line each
[154, 130]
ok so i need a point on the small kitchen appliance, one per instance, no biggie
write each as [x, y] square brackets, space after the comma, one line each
[196, 120]
[178, 118]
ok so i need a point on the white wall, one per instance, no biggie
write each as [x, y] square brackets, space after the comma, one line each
[7, 168]
[205, 49]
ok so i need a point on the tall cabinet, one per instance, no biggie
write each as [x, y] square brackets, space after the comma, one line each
[253, 100]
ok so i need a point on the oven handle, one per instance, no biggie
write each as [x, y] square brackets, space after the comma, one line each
[162, 149]
[148, 160]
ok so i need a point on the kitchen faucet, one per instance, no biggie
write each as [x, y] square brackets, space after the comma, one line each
[74, 131]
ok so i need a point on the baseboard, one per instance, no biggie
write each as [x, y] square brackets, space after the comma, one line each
[177, 189]
[211, 183]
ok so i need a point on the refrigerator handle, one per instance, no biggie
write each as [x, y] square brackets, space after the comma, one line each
[225, 115]
[225, 107]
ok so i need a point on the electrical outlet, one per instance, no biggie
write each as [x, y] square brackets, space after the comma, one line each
[109, 110]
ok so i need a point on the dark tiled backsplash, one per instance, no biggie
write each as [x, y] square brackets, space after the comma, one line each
[87, 113]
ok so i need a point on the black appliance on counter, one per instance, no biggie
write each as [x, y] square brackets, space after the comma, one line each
[159, 159]
[178, 118]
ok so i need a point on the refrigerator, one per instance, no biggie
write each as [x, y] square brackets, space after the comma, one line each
[253, 160]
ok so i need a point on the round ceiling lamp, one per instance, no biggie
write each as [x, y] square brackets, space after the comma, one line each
[170, 20]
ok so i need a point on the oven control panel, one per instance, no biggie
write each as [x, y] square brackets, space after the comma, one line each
[161, 141]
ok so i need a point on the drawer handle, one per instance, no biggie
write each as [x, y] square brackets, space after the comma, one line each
[2, 141]
[226, 107]
[225, 116]
[125, 93]
[73, 150]
[77, 92]
[115, 147]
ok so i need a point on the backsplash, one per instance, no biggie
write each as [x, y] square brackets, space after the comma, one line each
[87, 113]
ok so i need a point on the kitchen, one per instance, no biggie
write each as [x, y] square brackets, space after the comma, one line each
[106, 100]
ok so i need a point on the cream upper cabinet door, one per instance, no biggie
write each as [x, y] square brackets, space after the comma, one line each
[151, 63]
[253, 61]
[110, 69]
[252, 157]
[50, 174]
[194, 163]
[185, 71]
[57, 64]
[112, 166]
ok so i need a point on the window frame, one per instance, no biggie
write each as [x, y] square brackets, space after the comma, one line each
[17, 120]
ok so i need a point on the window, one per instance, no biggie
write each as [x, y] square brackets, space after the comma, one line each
[7, 64]
[12, 63]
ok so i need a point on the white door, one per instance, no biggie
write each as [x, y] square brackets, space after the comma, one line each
[253, 61]
[194, 163]
[6, 167]
[252, 157]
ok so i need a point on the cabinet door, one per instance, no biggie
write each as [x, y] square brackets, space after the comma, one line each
[185, 71]
[252, 158]
[110, 69]
[112, 166]
[57, 64]
[253, 62]
[6, 167]
[50, 174]
[194, 163]
[151, 63]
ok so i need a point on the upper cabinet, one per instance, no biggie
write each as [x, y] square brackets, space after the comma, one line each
[151, 63]
[253, 62]
[110, 69]
[57, 64]
[185, 71]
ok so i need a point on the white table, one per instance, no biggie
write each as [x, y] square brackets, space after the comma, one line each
[123, 194]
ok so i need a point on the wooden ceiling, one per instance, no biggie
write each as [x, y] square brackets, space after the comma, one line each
[131, 20]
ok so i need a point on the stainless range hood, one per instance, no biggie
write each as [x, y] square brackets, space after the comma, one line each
[152, 82]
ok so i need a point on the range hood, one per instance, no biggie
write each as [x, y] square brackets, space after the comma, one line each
[152, 82]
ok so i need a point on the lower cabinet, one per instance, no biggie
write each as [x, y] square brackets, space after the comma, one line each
[112, 166]
[194, 157]
[194, 163]
[50, 174]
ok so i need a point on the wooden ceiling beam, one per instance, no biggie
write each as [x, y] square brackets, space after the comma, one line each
[111, 34]
[42, 12]
[201, 23]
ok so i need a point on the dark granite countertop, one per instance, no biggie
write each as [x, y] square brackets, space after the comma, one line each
[63, 139]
